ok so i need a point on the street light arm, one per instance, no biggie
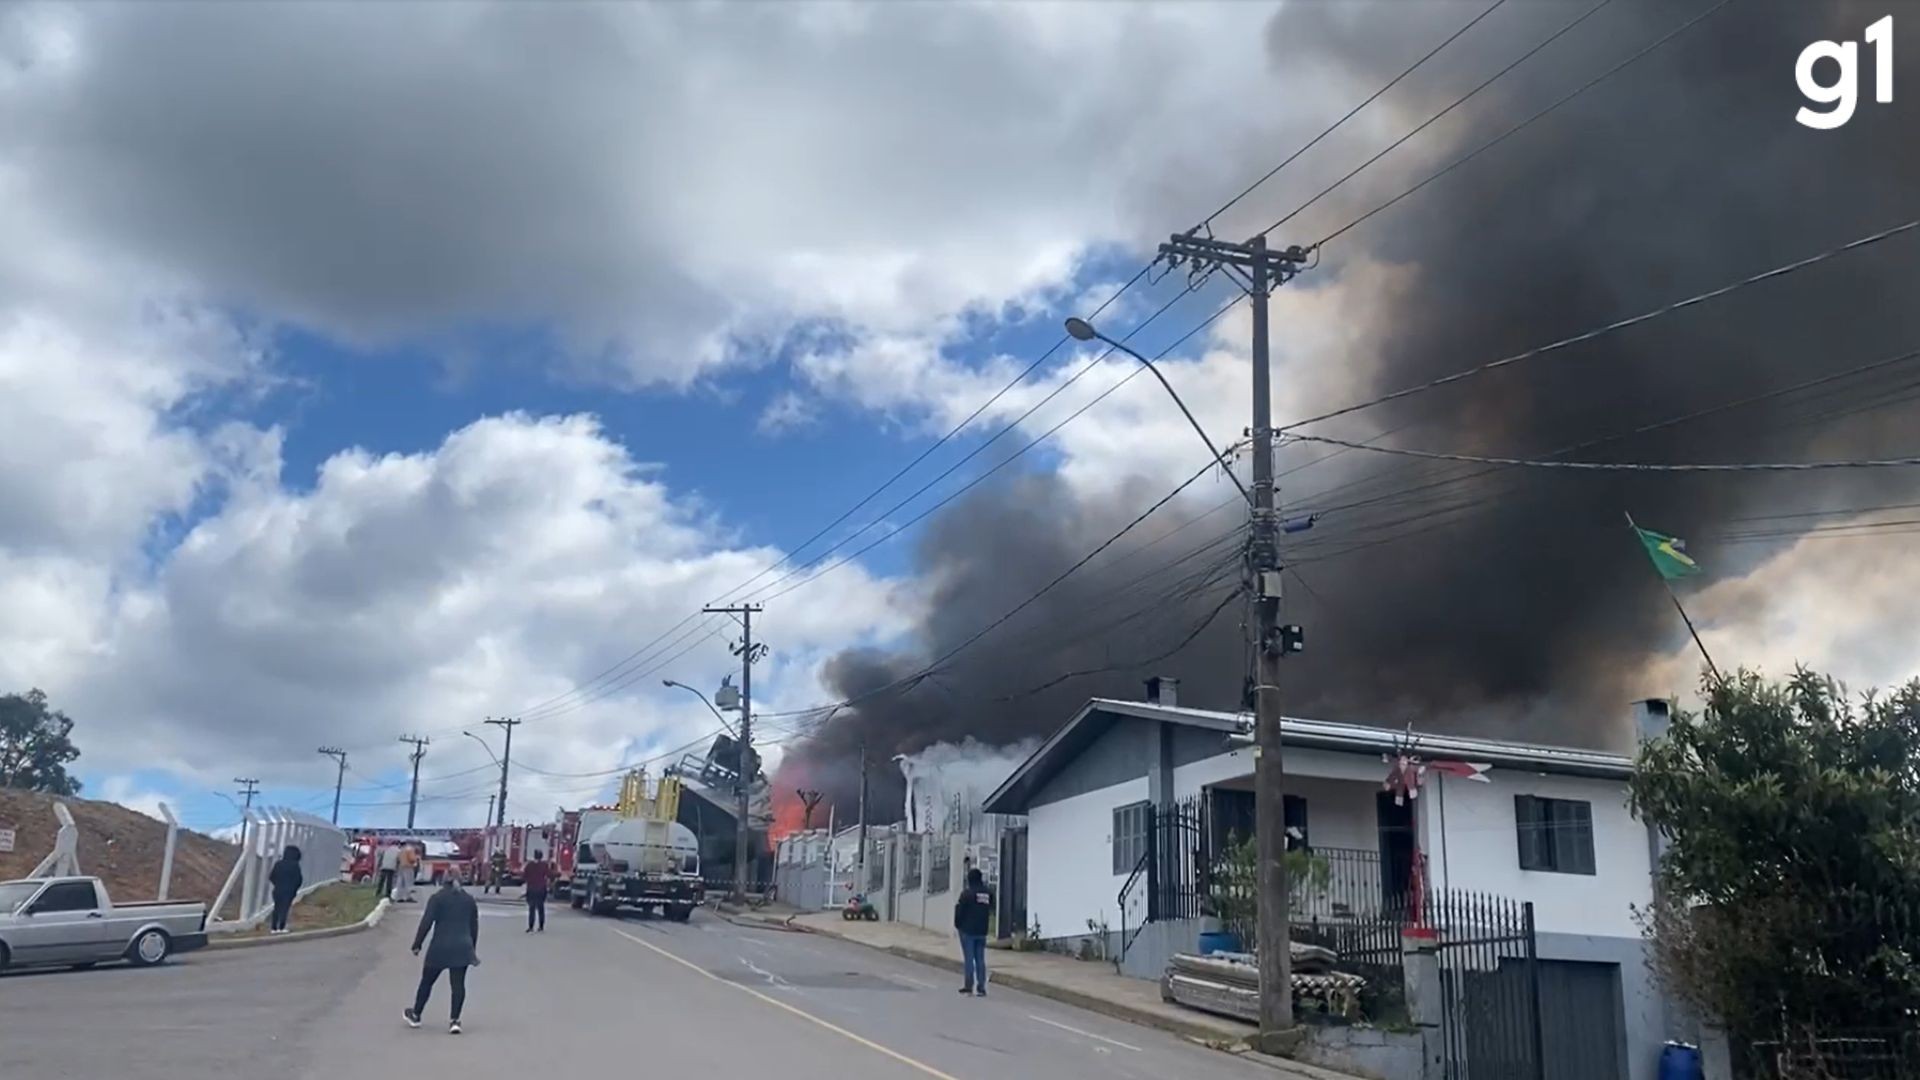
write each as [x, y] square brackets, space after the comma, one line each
[483, 746]
[1085, 331]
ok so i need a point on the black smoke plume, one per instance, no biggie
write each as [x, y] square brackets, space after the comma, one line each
[1502, 601]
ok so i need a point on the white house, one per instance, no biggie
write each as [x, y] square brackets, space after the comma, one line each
[1545, 825]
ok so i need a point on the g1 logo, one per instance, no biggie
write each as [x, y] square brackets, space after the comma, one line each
[1844, 92]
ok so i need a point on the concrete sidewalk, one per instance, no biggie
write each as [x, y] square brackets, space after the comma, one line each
[1089, 985]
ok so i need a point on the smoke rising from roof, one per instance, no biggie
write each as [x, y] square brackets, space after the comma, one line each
[1451, 596]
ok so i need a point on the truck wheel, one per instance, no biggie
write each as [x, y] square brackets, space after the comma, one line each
[577, 901]
[680, 912]
[151, 947]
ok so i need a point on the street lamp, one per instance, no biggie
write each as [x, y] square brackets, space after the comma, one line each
[1082, 330]
[703, 700]
[484, 746]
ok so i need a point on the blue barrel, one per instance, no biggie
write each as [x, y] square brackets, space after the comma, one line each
[1214, 941]
[1680, 1061]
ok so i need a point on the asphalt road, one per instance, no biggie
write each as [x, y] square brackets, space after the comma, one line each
[589, 994]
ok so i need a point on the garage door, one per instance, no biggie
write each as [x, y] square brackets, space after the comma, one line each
[1580, 1020]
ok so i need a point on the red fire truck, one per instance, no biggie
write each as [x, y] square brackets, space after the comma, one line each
[519, 843]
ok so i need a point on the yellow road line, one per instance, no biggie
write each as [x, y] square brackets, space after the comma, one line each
[801, 1013]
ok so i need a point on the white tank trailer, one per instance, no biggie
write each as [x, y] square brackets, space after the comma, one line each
[639, 863]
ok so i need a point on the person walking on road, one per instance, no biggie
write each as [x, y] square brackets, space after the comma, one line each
[389, 869]
[972, 915]
[408, 874]
[453, 917]
[538, 874]
[498, 867]
[285, 877]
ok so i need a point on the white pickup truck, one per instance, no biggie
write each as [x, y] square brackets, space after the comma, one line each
[72, 921]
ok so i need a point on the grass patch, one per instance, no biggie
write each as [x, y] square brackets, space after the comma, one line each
[338, 904]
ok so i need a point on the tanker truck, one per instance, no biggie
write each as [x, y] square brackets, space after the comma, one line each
[640, 857]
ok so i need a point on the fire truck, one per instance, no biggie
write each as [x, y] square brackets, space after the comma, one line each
[519, 843]
[442, 851]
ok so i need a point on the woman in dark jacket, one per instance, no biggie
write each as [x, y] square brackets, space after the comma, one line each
[285, 878]
[454, 920]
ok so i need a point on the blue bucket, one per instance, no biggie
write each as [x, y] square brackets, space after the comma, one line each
[1219, 941]
[1681, 1061]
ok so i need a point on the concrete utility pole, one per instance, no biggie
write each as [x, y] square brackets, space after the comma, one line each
[506, 757]
[748, 652]
[339, 777]
[863, 817]
[419, 751]
[489, 816]
[1257, 270]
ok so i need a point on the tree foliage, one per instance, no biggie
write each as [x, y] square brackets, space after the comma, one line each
[36, 745]
[1789, 891]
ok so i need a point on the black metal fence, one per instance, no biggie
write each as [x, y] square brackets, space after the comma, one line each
[1489, 987]
[876, 866]
[1813, 1053]
[939, 864]
[910, 863]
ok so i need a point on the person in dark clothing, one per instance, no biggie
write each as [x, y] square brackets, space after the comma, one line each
[972, 915]
[498, 876]
[285, 877]
[538, 874]
[454, 918]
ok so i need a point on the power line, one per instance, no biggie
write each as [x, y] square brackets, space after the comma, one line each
[996, 467]
[1350, 114]
[1503, 136]
[1017, 454]
[1436, 117]
[1617, 466]
[913, 680]
[1618, 324]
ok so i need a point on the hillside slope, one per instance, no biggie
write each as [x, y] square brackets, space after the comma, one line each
[122, 846]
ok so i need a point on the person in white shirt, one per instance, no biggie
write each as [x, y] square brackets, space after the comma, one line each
[389, 865]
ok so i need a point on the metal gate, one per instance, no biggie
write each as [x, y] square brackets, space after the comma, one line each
[1013, 881]
[1489, 987]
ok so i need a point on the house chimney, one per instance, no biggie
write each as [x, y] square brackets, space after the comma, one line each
[1651, 718]
[1162, 690]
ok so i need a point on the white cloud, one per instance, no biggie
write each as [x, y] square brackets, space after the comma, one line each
[688, 178]
[1842, 606]
[423, 592]
[125, 791]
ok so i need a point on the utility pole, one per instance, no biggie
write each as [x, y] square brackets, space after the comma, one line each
[748, 652]
[489, 816]
[248, 787]
[863, 817]
[505, 757]
[339, 777]
[419, 751]
[1257, 269]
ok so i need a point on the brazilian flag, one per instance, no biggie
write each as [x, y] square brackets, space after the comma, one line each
[1669, 554]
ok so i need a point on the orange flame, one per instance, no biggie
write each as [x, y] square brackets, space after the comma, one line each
[789, 814]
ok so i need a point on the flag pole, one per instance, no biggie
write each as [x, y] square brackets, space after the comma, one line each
[1684, 617]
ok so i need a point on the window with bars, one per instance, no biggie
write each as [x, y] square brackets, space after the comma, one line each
[1130, 825]
[1556, 835]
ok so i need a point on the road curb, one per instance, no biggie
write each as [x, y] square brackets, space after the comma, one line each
[1199, 1033]
[372, 920]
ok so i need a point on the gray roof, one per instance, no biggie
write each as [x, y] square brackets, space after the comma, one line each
[1100, 714]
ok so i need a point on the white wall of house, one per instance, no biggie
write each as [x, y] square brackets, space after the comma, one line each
[1070, 876]
[1471, 840]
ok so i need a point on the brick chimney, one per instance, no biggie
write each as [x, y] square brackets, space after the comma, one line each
[1162, 690]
